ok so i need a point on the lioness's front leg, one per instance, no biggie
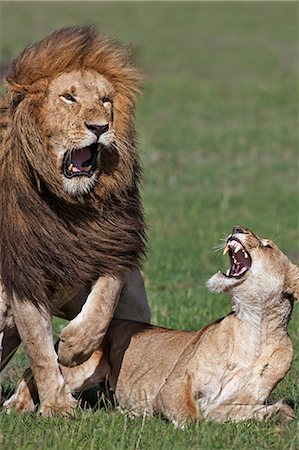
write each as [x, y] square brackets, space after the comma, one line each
[85, 332]
[35, 329]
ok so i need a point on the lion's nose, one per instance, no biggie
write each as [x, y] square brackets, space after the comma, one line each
[97, 129]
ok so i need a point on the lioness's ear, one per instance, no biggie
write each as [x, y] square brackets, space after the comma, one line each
[292, 281]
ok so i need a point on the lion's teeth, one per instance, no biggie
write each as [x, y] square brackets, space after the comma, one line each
[70, 167]
[88, 168]
[227, 272]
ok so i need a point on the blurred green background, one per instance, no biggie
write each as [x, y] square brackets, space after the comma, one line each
[218, 136]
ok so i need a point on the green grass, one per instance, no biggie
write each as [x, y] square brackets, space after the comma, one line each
[218, 136]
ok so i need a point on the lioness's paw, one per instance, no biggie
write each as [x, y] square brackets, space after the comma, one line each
[286, 412]
[76, 345]
[20, 402]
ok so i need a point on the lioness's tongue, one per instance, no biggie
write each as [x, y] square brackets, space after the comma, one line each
[79, 157]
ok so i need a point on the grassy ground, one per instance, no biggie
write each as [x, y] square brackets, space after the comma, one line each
[218, 136]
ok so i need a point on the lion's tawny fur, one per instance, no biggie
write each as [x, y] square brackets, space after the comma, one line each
[72, 233]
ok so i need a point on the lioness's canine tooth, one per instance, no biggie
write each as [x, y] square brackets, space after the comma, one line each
[244, 253]
[237, 247]
[227, 272]
[70, 167]
[226, 249]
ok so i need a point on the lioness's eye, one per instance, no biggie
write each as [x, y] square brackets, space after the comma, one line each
[267, 243]
[68, 98]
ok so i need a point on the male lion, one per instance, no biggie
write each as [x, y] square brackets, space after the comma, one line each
[72, 228]
[225, 371]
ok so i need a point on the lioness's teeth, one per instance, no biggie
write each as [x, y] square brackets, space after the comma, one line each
[226, 249]
[244, 253]
[88, 168]
[70, 167]
[227, 272]
[237, 248]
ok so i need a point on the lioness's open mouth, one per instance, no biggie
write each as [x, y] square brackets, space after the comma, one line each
[240, 260]
[81, 162]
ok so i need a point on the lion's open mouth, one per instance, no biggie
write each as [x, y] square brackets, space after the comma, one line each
[240, 260]
[81, 162]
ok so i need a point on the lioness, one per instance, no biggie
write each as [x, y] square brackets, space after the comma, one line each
[225, 371]
[72, 231]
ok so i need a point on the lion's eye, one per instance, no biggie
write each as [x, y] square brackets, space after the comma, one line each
[68, 98]
[106, 101]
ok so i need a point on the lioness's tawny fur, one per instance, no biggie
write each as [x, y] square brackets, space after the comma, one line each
[225, 371]
[71, 222]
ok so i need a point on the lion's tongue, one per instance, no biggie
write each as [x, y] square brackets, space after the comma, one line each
[79, 157]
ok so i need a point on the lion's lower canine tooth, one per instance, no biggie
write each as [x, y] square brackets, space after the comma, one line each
[70, 167]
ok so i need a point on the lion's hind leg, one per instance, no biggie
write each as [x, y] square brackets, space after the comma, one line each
[9, 343]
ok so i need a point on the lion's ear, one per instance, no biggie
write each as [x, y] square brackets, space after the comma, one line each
[292, 281]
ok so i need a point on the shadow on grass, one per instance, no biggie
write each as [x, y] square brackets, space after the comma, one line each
[99, 397]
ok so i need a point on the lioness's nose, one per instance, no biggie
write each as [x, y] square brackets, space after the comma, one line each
[97, 129]
[239, 230]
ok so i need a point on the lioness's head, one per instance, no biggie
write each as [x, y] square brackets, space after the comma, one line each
[72, 109]
[258, 268]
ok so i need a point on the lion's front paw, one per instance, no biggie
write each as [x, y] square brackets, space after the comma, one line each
[76, 345]
[63, 407]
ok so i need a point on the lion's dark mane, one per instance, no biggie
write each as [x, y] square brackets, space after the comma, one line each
[47, 241]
